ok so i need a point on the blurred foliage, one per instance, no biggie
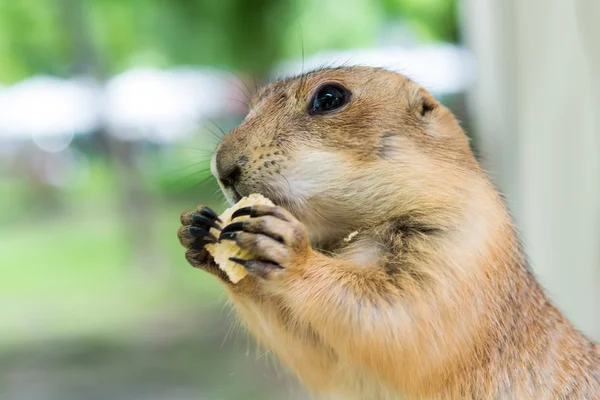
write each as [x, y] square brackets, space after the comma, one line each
[31, 40]
[37, 36]
[432, 19]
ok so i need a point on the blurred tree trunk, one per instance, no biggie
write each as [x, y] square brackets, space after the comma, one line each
[136, 205]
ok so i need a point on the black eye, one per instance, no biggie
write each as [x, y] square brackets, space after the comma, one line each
[328, 98]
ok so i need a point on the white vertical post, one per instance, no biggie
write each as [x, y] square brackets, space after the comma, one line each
[537, 113]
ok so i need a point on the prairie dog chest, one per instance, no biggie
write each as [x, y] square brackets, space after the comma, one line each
[361, 251]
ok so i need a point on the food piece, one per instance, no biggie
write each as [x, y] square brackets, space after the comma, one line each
[350, 236]
[225, 249]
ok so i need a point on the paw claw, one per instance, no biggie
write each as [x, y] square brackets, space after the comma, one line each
[235, 226]
[201, 259]
[242, 211]
[199, 244]
[200, 219]
[239, 261]
[262, 269]
[209, 213]
[228, 236]
[198, 232]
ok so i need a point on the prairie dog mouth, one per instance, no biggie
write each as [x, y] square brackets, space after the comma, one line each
[230, 192]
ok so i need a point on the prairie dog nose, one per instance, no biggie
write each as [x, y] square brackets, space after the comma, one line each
[230, 175]
[229, 169]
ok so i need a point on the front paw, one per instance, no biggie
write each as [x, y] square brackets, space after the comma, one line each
[277, 239]
[194, 234]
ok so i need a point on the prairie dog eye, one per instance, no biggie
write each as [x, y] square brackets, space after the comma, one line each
[328, 98]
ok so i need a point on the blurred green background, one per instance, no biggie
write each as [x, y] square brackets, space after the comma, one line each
[109, 111]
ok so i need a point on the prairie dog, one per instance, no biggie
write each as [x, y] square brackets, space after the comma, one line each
[432, 299]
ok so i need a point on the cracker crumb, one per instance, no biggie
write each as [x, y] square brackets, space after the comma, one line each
[350, 236]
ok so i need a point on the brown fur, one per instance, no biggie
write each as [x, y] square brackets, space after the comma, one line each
[433, 298]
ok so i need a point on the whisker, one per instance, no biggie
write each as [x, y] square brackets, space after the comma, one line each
[288, 183]
[219, 193]
[223, 133]
[203, 184]
[303, 79]
[246, 104]
[246, 94]
[214, 134]
[190, 166]
[229, 331]
[248, 88]
[188, 176]
[195, 149]
[207, 180]
[212, 121]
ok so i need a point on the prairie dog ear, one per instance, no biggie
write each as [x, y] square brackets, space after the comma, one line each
[421, 102]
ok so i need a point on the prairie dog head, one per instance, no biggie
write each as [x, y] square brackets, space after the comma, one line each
[346, 148]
